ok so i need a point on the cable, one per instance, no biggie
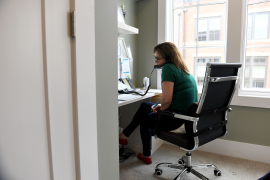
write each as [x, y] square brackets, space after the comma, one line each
[125, 153]
[134, 92]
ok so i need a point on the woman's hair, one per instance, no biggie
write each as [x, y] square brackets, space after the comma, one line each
[168, 50]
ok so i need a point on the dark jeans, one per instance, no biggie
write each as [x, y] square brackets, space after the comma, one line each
[146, 119]
[266, 177]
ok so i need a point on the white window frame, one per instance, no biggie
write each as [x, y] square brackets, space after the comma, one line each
[253, 97]
[234, 52]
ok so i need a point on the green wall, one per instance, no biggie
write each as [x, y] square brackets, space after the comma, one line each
[131, 39]
[246, 124]
[249, 125]
[147, 12]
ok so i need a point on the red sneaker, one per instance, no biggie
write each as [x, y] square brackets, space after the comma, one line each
[123, 141]
[147, 160]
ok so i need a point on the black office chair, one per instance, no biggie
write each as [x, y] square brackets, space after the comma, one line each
[206, 120]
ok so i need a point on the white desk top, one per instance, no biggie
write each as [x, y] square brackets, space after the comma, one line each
[151, 93]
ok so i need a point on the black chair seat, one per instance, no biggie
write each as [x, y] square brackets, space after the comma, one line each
[179, 139]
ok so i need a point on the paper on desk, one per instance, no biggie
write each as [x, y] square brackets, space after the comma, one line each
[126, 97]
[155, 91]
[125, 68]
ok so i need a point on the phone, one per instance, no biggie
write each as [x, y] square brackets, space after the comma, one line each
[160, 66]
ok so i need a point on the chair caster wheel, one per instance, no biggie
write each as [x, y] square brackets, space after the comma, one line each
[158, 171]
[181, 161]
[217, 172]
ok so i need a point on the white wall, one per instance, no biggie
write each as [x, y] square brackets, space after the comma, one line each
[55, 90]
[106, 76]
[86, 90]
[23, 132]
[59, 55]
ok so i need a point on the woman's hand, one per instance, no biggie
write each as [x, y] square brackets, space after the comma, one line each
[156, 109]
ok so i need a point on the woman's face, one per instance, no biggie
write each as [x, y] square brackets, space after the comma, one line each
[158, 59]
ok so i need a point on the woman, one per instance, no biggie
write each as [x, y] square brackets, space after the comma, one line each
[179, 91]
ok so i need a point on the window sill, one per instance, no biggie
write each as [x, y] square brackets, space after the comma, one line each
[251, 101]
[248, 99]
[204, 43]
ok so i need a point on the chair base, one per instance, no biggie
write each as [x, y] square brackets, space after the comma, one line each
[184, 164]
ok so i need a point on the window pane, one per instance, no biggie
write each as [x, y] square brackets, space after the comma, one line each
[246, 85]
[184, 31]
[262, 60]
[214, 24]
[201, 70]
[258, 72]
[249, 30]
[251, 1]
[258, 23]
[209, 1]
[180, 3]
[201, 61]
[256, 67]
[258, 83]
[200, 81]
[247, 71]
[261, 26]
[202, 31]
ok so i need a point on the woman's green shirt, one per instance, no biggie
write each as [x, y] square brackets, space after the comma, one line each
[185, 89]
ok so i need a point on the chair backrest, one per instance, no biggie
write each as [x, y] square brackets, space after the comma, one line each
[218, 89]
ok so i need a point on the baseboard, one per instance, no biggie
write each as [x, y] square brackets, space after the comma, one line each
[156, 143]
[237, 149]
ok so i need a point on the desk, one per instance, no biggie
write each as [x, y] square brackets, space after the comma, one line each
[151, 93]
[128, 109]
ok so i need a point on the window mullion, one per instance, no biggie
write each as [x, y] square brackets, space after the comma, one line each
[196, 59]
[265, 76]
[208, 28]
[251, 72]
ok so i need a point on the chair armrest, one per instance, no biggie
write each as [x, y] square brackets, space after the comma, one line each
[175, 115]
[188, 118]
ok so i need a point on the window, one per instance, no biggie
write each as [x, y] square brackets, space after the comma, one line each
[209, 29]
[199, 30]
[258, 24]
[255, 72]
[256, 79]
[253, 90]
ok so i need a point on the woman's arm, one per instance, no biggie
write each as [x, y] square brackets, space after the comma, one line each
[167, 94]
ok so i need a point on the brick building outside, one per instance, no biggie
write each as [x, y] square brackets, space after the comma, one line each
[212, 39]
